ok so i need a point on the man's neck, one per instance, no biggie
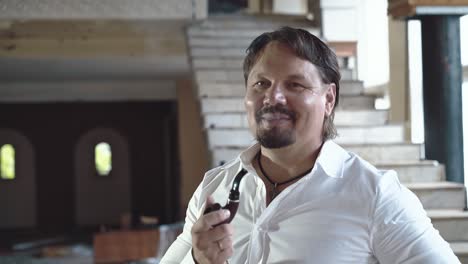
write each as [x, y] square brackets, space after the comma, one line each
[285, 163]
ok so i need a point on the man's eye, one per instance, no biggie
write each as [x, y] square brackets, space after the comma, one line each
[260, 84]
[295, 85]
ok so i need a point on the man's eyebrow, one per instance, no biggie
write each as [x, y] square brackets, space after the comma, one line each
[297, 77]
[258, 75]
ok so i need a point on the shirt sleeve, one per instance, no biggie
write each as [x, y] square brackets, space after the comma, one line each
[401, 231]
[180, 251]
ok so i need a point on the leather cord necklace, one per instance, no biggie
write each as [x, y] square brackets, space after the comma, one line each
[275, 191]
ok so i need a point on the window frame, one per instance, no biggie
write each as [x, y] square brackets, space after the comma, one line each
[96, 171]
[15, 165]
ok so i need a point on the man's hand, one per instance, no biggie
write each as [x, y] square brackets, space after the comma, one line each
[212, 245]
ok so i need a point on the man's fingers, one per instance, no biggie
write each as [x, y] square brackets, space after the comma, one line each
[218, 233]
[207, 221]
[216, 217]
[209, 201]
[225, 243]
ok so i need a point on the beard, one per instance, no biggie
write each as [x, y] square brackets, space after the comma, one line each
[275, 137]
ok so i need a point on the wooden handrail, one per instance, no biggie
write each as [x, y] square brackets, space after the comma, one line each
[344, 48]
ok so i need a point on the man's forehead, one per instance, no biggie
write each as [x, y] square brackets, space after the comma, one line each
[292, 76]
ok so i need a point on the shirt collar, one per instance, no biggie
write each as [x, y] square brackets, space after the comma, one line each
[331, 158]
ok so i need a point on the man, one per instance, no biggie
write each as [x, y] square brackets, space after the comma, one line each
[304, 198]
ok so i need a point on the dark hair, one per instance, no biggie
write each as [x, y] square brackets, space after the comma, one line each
[306, 46]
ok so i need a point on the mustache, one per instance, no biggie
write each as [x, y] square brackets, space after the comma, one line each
[274, 109]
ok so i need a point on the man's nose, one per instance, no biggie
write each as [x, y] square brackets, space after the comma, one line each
[274, 95]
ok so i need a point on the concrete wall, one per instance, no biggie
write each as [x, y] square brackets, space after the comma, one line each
[18, 196]
[399, 74]
[101, 199]
[364, 21]
[293, 7]
[194, 153]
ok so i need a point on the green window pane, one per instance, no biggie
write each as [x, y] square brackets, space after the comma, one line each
[103, 158]
[7, 162]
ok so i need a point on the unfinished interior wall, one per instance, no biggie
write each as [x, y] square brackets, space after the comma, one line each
[193, 146]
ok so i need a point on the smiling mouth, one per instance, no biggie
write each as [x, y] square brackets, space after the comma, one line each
[275, 115]
[272, 117]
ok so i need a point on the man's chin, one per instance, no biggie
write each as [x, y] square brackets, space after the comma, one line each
[275, 141]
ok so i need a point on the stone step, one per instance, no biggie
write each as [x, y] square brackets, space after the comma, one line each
[419, 171]
[392, 133]
[217, 63]
[452, 224]
[232, 52]
[217, 52]
[236, 104]
[375, 154]
[212, 89]
[360, 117]
[412, 172]
[348, 135]
[439, 195]
[212, 42]
[342, 118]
[235, 33]
[357, 102]
[214, 70]
[460, 249]
[387, 153]
[216, 75]
[248, 21]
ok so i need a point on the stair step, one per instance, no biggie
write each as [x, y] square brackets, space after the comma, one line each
[229, 138]
[249, 21]
[360, 117]
[413, 171]
[452, 224]
[387, 153]
[374, 154]
[422, 171]
[235, 33]
[218, 52]
[439, 195]
[212, 42]
[212, 89]
[348, 135]
[216, 74]
[357, 102]
[392, 133]
[342, 118]
[222, 105]
[460, 248]
[236, 104]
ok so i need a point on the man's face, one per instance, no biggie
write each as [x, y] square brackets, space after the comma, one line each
[286, 100]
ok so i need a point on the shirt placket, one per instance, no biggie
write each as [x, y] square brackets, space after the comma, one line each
[258, 234]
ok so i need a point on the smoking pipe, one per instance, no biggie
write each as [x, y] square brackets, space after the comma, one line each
[232, 202]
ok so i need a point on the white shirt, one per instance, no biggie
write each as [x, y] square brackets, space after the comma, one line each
[343, 211]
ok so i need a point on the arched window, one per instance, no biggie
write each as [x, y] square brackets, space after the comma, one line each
[103, 158]
[7, 162]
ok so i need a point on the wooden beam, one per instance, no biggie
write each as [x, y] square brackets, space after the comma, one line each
[102, 9]
[465, 73]
[72, 38]
[88, 91]
[408, 8]
[344, 48]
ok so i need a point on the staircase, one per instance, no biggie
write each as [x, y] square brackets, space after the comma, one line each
[217, 48]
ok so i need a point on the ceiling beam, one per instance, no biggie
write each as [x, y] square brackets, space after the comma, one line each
[92, 9]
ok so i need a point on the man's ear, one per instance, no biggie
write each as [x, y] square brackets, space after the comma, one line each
[330, 97]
